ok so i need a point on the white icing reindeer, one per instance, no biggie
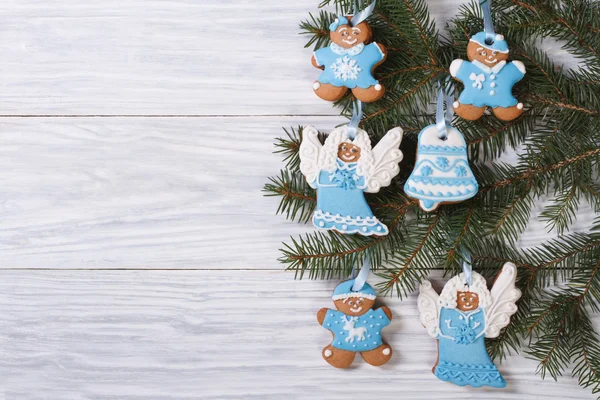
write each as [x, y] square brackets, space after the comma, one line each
[358, 333]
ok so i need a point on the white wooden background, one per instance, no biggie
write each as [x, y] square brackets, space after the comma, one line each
[137, 253]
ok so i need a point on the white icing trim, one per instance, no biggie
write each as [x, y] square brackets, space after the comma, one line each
[505, 295]
[354, 294]
[487, 45]
[520, 66]
[379, 48]
[316, 59]
[453, 190]
[429, 308]
[459, 284]
[487, 69]
[455, 66]
[337, 218]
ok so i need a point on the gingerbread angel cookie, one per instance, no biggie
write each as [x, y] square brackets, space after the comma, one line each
[488, 79]
[349, 62]
[461, 318]
[356, 327]
[342, 170]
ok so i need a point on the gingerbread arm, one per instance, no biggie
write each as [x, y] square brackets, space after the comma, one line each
[321, 315]
[387, 312]
[313, 61]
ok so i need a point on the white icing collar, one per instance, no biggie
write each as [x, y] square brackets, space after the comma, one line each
[487, 69]
[344, 165]
[352, 51]
[469, 313]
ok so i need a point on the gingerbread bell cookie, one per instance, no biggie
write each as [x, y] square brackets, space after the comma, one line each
[349, 61]
[356, 326]
[488, 78]
[461, 317]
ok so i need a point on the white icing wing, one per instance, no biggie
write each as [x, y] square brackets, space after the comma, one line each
[504, 296]
[309, 154]
[429, 307]
[386, 157]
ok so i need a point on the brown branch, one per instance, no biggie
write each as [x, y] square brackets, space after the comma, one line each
[387, 21]
[504, 260]
[421, 32]
[394, 278]
[563, 105]
[529, 174]
[399, 100]
[287, 193]
[548, 78]
[498, 226]
[461, 234]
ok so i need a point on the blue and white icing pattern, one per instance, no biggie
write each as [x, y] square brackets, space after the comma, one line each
[461, 330]
[441, 173]
[341, 185]
[349, 67]
[341, 203]
[358, 333]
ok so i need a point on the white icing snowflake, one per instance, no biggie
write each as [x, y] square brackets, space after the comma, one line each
[345, 68]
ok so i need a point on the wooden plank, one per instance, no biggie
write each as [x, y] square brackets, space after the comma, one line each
[141, 193]
[210, 335]
[150, 193]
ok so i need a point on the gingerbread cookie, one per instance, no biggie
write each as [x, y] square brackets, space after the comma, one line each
[441, 174]
[342, 170]
[488, 79]
[349, 62]
[461, 318]
[356, 327]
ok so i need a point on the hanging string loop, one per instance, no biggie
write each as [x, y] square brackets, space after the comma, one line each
[488, 24]
[443, 120]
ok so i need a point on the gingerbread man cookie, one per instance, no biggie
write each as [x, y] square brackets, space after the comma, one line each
[356, 327]
[349, 62]
[488, 79]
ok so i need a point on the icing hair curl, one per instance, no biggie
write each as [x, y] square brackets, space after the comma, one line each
[457, 284]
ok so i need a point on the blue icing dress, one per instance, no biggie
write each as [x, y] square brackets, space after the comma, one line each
[362, 333]
[341, 203]
[485, 86]
[463, 358]
[349, 67]
[441, 173]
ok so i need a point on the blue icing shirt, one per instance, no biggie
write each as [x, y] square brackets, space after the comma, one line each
[462, 327]
[349, 67]
[485, 86]
[362, 333]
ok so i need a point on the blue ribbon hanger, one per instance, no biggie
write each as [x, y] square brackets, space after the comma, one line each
[488, 24]
[360, 16]
[357, 115]
[361, 278]
[443, 120]
[467, 266]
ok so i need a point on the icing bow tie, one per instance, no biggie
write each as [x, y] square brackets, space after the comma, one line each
[478, 79]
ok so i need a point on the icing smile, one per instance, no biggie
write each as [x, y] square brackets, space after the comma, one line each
[347, 157]
[350, 41]
[355, 310]
[495, 60]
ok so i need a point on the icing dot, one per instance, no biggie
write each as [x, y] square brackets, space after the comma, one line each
[339, 342]
[374, 342]
[378, 87]
[368, 336]
[499, 37]
[341, 332]
[493, 84]
[370, 316]
[365, 345]
[379, 228]
[336, 322]
[353, 345]
[328, 324]
[520, 106]
[460, 317]
[378, 324]
[349, 217]
[377, 333]
[371, 325]
[381, 316]
[344, 226]
[316, 85]
[321, 223]
[492, 76]
[328, 353]
[455, 104]
[386, 352]
[492, 92]
[358, 218]
[365, 229]
[331, 314]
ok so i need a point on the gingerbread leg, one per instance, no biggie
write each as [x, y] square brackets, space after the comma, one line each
[369, 94]
[508, 113]
[468, 111]
[337, 357]
[329, 92]
[378, 356]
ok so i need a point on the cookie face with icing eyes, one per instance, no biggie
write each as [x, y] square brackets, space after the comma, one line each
[347, 152]
[467, 301]
[489, 57]
[354, 306]
[349, 36]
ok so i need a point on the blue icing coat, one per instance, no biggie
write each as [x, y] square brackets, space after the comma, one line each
[349, 67]
[485, 86]
[463, 358]
[341, 203]
[362, 333]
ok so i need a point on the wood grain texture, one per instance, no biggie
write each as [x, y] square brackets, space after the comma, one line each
[210, 335]
[150, 193]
